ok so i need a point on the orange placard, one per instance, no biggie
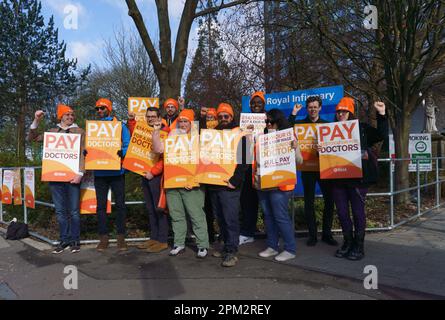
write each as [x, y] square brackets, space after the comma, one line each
[217, 155]
[88, 202]
[7, 186]
[30, 188]
[181, 154]
[17, 191]
[140, 158]
[139, 106]
[340, 153]
[276, 159]
[1, 183]
[61, 156]
[307, 141]
[103, 141]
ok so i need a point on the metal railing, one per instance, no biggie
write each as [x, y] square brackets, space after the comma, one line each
[392, 193]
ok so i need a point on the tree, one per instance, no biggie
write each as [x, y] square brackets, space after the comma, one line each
[211, 80]
[128, 72]
[395, 62]
[169, 66]
[33, 69]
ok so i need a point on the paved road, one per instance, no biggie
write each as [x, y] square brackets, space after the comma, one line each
[409, 260]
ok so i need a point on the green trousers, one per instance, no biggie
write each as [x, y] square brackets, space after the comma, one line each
[182, 202]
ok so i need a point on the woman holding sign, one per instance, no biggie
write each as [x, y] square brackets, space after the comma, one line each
[353, 191]
[275, 201]
[65, 195]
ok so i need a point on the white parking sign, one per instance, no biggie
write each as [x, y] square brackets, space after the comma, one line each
[419, 148]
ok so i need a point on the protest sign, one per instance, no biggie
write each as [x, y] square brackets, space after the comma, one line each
[17, 191]
[61, 156]
[7, 186]
[140, 158]
[181, 155]
[276, 159]
[103, 141]
[29, 188]
[340, 153]
[307, 141]
[217, 155]
[139, 106]
[258, 120]
[88, 202]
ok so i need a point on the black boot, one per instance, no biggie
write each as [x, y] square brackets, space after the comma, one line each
[347, 245]
[329, 239]
[357, 252]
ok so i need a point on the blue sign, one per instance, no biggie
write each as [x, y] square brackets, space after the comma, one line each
[285, 101]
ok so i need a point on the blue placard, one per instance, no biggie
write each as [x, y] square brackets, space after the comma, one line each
[285, 101]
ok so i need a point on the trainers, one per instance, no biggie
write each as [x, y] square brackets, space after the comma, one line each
[244, 240]
[284, 256]
[202, 253]
[177, 250]
[75, 247]
[158, 247]
[269, 252]
[230, 260]
[61, 247]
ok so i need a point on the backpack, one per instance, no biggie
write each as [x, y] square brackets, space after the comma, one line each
[17, 231]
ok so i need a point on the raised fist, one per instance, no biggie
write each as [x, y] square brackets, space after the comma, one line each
[39, 115]
[297, 108]
[380, 107]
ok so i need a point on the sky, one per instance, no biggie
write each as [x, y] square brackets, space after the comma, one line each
[98, 19]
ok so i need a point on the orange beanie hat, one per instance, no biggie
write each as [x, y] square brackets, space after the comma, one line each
[63, 109]
[346, 104]
[259, 94]
[171, 101]
[102, 102]
[187, 114]
[225, 107]
[211, 112]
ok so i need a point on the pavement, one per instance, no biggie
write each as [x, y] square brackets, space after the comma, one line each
[409, 263]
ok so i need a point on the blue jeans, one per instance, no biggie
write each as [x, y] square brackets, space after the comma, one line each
[275, 204]
[66, 199]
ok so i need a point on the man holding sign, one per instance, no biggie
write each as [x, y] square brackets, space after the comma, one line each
[108, 127]
[65, 194]
[225, 198]
[151, 169]
[310, 175]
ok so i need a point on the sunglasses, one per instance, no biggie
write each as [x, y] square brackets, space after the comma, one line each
[224, 117]
[100, 108]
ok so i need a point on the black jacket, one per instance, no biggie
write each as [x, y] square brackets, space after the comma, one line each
[369, 136]
[292, 121]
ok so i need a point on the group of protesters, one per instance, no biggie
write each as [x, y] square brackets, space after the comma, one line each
[235, 204]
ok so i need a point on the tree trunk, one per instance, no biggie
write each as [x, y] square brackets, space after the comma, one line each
[169, 88]
[401, 140]
[21, 131]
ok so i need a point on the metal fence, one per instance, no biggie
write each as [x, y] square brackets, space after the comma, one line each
[392, 193]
